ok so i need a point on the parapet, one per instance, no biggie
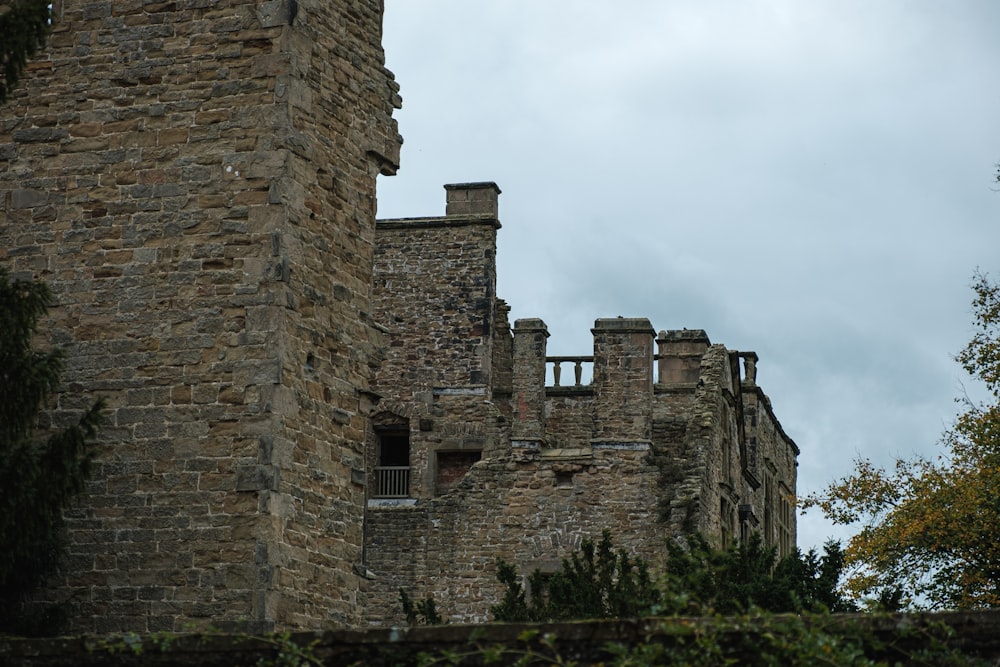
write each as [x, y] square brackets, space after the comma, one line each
[466, 205]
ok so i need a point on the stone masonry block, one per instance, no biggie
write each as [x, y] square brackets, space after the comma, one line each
[276, 12]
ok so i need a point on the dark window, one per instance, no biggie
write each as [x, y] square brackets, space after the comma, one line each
[394, 449]
[393, 470]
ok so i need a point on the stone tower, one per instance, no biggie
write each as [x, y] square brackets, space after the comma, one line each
[195, 179]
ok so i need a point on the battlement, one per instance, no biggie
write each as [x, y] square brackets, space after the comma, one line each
[677, 362]
[617, 383]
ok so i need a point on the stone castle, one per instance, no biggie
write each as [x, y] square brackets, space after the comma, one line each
[309, 409]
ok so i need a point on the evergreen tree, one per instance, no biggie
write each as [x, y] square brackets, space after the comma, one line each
[38, 475]
[23, 29]
[599, 582]
[595, 582]
[748, 575]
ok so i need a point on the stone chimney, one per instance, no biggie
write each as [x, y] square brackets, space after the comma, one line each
[472, 199]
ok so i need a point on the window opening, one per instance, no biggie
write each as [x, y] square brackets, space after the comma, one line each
[393, 469]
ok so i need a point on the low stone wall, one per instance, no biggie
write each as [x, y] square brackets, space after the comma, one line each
[974, 633]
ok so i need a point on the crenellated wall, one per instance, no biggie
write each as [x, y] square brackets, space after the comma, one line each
[666, 439]
[196, 182]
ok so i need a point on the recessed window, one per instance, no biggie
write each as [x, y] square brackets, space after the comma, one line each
[393, 470]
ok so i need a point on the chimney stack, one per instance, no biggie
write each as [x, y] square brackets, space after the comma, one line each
[472, 199]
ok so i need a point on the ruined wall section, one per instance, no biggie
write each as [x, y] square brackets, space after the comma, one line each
[697, 446]
[503, 357]
[534, 505]
[579, 462]
[533, 508]
[728, 469]
[680, 354]
[153, 170]
[717, 421]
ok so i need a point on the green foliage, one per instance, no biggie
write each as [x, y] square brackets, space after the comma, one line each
[423, 612]
[288, 653]
[809, 582]
[598, 582]
[758, 640]
[929, 526]
[701, 579]
[513, 607]
[595, 582]
[23, 29]
[38, 476]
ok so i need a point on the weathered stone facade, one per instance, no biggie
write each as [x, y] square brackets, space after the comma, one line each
[196, 182]
[307, 409]
[474, 457]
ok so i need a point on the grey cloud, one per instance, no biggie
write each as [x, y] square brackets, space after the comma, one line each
[809, 180]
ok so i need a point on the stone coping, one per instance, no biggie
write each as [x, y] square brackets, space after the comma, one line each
[464, 220]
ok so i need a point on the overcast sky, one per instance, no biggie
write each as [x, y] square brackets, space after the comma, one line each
[809, 180]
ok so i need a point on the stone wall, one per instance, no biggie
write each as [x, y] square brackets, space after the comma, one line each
[728, 467]
[533, 499]
[772, 460]
[196, 182]
[436, 285]
[531, 507]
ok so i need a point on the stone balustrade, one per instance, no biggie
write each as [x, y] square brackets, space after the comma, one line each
[578, 369]
[583, 369]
